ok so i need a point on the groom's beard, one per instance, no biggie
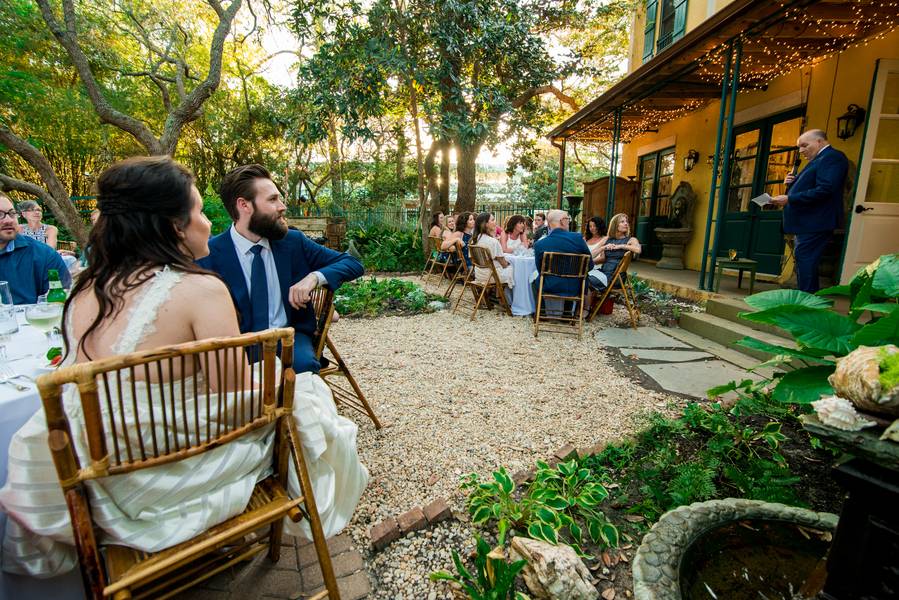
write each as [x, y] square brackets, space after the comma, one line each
[271, 227]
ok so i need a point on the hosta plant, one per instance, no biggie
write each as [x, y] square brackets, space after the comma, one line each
[823, 334]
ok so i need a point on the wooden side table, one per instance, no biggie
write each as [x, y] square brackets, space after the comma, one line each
[740, 264]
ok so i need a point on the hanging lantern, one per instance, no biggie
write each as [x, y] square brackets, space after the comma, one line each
[849, 122]
[690, 160]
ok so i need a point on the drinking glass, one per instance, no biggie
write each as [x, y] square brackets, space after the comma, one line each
[8, 322]
[45, 316]
[732, 254]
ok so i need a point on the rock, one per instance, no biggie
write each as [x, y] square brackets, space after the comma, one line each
[564, 452]
[437, 510]
[554, 572]
[609, 594]
[857, 378]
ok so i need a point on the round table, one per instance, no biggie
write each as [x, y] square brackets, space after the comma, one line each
[523, 270]
[26, 355]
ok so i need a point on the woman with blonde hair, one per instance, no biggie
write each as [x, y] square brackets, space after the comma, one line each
[612, 247]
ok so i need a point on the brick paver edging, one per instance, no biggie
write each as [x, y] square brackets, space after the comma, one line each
[415, 519]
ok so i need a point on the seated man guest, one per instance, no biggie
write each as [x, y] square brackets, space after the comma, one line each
[271, 270]
[540, 228]
[559, 239]
[24, 262]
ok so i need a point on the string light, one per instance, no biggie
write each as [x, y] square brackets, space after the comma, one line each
[802, 37]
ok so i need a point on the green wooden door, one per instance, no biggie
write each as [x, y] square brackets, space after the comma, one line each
[656, 174]
[764, 152]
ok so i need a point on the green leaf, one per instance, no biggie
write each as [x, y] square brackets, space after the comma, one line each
[481, 515]
[548, 516]
[774, 298]
[748, 342]
[594, 528]
[886, 277]
[880, 307]
[813, 327]
[542, 531]
[575, 532]
[881, 332]
[610, 534]
[836, 290]
[803, 385]
[504, 481]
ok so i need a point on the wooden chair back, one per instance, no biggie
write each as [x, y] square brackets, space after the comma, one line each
[323, 304]
[461, 273]
[68, 245]
[244, 396]
[481, 258]
[619, 283]
[566, 266]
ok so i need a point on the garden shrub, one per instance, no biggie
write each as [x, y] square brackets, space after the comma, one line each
[215, 211]
[387, 249]
[374, 297]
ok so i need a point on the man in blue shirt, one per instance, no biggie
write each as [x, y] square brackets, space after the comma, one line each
[559, 239]
[25, 263]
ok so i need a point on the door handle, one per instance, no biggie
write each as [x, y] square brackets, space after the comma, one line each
[859, 209]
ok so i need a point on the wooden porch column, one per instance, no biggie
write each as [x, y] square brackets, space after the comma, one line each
[560, 180]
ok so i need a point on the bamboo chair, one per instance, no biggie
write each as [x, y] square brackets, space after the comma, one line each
[434, 261]
[480, 257]
[67, 245]
[619, 284]
[121, 572]
[460, 275]
[334, 367]
[567, 267]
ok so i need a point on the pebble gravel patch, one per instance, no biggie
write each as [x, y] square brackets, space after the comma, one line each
[458, 396]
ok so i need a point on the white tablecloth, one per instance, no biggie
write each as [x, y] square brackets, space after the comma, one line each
[26, 355]
[523, 269]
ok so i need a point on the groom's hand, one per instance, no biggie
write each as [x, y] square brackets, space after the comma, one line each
[301, 291]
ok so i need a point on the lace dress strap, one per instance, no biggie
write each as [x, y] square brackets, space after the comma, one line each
[142, 316]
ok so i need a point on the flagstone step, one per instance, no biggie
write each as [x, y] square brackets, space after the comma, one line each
[726, 332]
[730, 308]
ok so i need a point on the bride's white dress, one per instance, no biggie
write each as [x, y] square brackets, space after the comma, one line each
[153, 509]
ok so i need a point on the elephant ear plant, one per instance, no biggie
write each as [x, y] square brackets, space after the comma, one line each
[821, 333]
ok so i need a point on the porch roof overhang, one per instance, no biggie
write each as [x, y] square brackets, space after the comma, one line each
[776, 37]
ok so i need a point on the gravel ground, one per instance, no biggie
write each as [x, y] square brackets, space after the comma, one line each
[458, 396]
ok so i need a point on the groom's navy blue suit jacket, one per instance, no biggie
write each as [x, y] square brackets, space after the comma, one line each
[816, 197]
[295, 257]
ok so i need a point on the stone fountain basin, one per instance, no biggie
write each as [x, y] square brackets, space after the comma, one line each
[668, 554]
[674, 235]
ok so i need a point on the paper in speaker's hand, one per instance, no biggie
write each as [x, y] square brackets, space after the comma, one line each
[762, 200]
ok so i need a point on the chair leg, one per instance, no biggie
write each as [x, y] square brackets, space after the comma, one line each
[465, 286]
[315, 524]
[479, 299]
[349, 376]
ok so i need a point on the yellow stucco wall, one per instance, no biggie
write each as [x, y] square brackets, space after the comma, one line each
[835, 83]
[697, 12]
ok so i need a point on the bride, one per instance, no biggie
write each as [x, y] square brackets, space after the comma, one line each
[142, 290]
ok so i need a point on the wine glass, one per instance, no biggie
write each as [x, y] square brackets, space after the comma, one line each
[732, 254]
[45, 316]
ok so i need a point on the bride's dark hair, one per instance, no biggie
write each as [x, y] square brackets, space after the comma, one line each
[143, 201]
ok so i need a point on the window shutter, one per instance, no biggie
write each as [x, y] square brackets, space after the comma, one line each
[649, 32]
[680, 20]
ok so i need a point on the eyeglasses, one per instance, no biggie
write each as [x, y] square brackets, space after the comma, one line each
[9, 214]
[565, 219]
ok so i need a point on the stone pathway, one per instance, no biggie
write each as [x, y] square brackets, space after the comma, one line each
[296, 575]
[673, 364]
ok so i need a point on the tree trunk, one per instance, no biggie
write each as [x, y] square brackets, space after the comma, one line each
[336, 165]
[424, 215]
[466, 172]
[445, 148]
[431, 175]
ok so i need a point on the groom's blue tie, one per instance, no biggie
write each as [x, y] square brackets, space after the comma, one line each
[258, 291]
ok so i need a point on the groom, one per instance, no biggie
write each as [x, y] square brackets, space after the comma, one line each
[270, 269]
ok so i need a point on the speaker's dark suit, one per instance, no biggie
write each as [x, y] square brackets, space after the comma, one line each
[814, 209]
[295, 257]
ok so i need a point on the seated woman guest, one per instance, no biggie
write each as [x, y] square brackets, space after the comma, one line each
[596, 230]
[485, 226]
[437, 225]
[141, 290]
[612, 247]
[33, 227]
[515, 234]
[463, 232]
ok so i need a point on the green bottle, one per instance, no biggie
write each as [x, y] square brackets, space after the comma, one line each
[56, 293]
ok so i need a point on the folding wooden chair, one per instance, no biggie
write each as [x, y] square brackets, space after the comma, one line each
[434, 261]
[567, 267]
[460, 274]
[67, 245]
[619, 284]
[480, 257]
[170, 427]
[334, 366]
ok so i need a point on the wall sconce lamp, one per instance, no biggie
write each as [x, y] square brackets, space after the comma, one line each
[849, 122]
[690, 160]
